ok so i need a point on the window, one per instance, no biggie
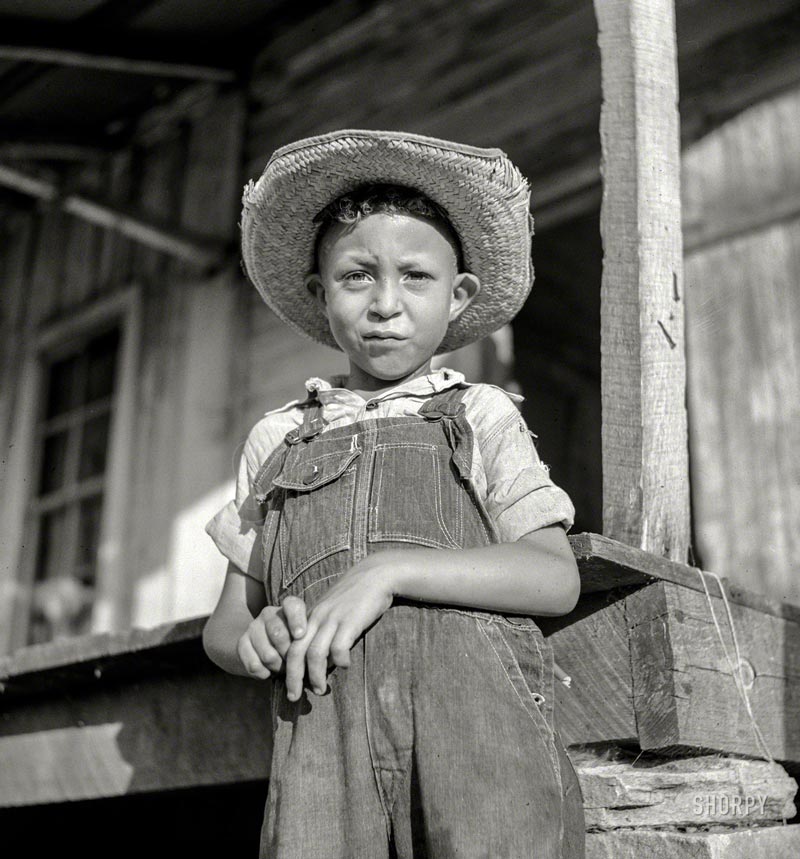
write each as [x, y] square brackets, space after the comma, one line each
[72, 447]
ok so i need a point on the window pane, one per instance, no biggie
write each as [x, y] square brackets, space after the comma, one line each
[54, 460]
[91, 510]
[101, 353]
[52, 544]
[62, 386]
[94, 445]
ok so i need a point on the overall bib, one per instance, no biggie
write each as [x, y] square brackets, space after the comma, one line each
[438, 740]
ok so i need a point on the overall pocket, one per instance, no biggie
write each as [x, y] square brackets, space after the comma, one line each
[416, 497]
[319, 491]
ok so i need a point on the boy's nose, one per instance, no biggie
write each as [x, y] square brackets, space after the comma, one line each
[385, 298]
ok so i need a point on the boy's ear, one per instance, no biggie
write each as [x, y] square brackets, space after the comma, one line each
[465, 287]
[313, 284]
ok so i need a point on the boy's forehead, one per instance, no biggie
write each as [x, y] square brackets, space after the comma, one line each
[397, 230]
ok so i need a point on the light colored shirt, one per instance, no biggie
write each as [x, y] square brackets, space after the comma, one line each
[506, 470]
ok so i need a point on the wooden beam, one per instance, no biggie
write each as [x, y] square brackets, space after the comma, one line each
[733, 222]
[202, 251]
[126, 65]
[645, 460]
[685, 667]
[45, 151]
[597, 705]
[170, 730]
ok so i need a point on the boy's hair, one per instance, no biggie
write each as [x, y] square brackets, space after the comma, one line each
[392, 199]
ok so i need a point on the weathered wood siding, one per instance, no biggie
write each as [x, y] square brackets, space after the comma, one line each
[741, 193]
[192, 400]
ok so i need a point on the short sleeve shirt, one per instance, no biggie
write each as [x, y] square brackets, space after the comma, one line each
[506, 470]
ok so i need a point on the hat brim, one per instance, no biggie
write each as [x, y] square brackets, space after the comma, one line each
[485, 195]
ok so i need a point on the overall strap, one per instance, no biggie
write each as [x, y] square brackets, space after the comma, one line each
[448, 406]
[310, 428]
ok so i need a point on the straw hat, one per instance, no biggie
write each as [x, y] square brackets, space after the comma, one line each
[485, 195]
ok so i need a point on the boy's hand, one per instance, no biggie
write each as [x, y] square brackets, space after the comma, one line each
[349, 607]
[263, 646]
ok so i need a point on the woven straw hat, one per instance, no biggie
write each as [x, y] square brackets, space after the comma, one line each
[485, 195]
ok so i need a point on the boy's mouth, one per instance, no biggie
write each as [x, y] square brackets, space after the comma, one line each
[383, 335]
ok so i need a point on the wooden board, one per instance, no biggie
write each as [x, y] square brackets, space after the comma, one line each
[607, 564]
[591, 647]
[166, 731]
[645, 465]
[743, 312]
[684, 691]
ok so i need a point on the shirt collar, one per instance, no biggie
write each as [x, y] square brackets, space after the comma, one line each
[333, 390]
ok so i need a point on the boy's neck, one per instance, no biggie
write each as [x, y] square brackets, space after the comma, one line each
[368, 386]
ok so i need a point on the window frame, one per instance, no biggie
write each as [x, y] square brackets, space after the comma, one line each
[121, 310]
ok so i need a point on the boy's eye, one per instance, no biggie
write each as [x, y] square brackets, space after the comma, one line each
[418, 275]
[356, 276]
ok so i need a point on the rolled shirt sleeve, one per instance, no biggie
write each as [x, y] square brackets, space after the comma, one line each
[520, 494]
[236, 529]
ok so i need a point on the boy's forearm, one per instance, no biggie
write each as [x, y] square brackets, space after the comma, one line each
[524, 577]
[221, 636]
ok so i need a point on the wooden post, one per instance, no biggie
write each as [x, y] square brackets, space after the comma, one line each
[645, 460]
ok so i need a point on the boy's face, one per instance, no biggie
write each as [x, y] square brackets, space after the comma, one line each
[390, 286]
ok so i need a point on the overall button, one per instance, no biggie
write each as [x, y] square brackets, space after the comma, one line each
[310, 476]
[372, 404]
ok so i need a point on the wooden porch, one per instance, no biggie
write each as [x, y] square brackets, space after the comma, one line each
[670, 761]
[681, 714]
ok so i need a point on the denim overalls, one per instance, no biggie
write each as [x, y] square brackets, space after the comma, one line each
[437, 741]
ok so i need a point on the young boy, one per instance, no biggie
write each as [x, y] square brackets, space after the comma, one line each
[392, 533]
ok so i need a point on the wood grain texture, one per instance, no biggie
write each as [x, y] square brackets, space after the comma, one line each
[684, 691]
[645, 466]
[743, 328]
[166, 731]
[591, 647]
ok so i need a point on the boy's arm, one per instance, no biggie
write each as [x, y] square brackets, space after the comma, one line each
[246, 636]
[537, 575]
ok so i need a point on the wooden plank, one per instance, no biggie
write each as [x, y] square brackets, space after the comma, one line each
[685, 693]
[81, 251]
[743, 334]
[166, 731]
[645, 464]
[773, 842]
[107, 63]
[86, 659]
[621, 789]
[201, 251]
[606, 564]
[22, 150]
[115, 250]
[591, 647]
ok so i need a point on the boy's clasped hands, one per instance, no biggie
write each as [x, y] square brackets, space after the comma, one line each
[291, 639]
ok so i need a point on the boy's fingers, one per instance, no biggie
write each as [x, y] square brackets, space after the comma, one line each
[265, 651]
[294, 610]
[250, 660]
[278, 634]
[341, 645]
[295, 664]
[317, 658]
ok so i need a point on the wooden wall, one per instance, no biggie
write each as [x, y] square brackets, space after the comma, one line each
[741, 195]
[197, 383]
[211, 358]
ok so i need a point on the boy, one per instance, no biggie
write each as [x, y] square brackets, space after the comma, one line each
[391, 532]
